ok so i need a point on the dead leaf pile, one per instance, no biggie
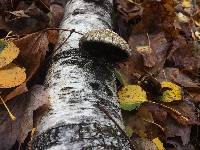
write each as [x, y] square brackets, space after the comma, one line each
[23, 107]
[26, 30]
[165, 63]
[160, 91]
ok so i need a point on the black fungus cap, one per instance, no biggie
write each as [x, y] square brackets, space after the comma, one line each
[105, 43]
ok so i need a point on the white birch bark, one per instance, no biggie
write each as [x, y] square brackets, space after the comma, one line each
[76, 83]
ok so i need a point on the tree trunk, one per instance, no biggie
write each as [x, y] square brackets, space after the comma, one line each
[77, 83]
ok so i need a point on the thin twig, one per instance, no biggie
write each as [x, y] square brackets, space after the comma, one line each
[60, 45]
[65, 30]
[172, 109]
[138, 4]
[12, 117]
[156, 124]
[149, 42]
[44, 5]
[46, 29]
[164, 75]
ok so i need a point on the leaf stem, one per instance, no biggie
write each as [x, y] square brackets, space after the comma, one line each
[173, 110]
[12, 117]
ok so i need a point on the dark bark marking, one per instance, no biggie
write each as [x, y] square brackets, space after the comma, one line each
[95, 86]
[78, 11]
[93, 135]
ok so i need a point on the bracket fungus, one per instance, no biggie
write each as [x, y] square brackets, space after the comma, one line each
[104, 43]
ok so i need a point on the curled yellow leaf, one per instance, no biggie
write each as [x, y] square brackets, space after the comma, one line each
[131, 97]
[196, 18]
[182, 18]
[158, 144]
[197, 34]
[174, 92]
[11, 76]
[187, 3]
[8, 53]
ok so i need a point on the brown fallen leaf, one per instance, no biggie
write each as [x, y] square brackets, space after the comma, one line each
[143, 124]
[147, 54]
[175, 144]
[127, 15]
[175, 75]
[184, 55]
[16, 91]
[38, 101]
[128, 9]
[194, 96]
[140, 44]
[22, 107]
[187, 109]
[57, 13]
[132, 69]
[158, 113]
[177, 131]
[53, 36]
[153, 49]
[33, 50]
[29, 20]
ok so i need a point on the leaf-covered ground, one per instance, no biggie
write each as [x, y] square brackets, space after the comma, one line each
[165, 63]
[158, 86]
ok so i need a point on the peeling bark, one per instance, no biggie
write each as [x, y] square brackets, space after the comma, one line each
[77, 83]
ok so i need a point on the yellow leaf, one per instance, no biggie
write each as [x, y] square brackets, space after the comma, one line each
[32, 133]
[186, 4]
[11, 76]
[182, 18]
[158, 144]
[197, 34]
[131, 97]
[196, 18]
[8, 53]
[174, 92]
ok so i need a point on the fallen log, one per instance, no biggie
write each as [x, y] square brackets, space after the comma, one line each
[84, 111]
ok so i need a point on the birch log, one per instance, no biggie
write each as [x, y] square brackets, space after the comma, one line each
[76, 83]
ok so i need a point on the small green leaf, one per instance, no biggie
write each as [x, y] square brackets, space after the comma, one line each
[120, 78]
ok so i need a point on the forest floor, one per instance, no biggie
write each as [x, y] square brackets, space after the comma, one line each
[158, 86]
